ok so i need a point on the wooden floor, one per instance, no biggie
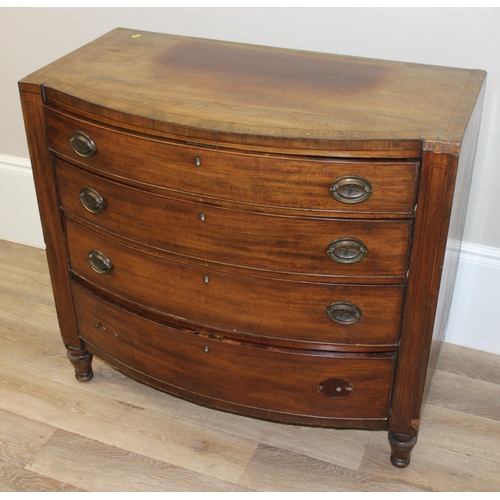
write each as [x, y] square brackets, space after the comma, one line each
[113, 434]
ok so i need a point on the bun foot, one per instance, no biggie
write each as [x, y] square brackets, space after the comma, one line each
[82, 363]
[401, 448]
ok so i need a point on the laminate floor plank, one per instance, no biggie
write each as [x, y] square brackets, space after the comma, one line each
[32, 354]
[19, 314]
[125, 425]
[21, 437]
[27, 284]
[17, 479]
[275, 469]
[342, 447]
[464, 394]
[5, 486]
[433, 468]
[469, 362]
[461, 432]
[23, 257]
[96, 466]
[20, 440]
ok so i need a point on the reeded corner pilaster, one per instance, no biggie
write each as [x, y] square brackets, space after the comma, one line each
[401, 448]
[82, 363]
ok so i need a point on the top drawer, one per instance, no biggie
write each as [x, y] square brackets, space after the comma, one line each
[274, 181]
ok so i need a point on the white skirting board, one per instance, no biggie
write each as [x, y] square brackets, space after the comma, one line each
[476, 299]
[19, 218]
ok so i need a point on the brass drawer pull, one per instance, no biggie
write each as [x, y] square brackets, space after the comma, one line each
[347, 250]
[82, 144]
[99, 262]
[335, 388]
[351, 189]
[344, 313]
[92, 200]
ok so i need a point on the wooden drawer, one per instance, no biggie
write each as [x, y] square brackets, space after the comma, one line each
[273, 380]
[237, 303]
[239, 238]
[259, 179]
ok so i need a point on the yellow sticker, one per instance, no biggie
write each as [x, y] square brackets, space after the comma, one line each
[136, 36]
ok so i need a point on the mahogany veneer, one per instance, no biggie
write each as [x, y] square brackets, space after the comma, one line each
[264, 231]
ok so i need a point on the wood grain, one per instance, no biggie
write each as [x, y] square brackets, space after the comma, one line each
[461, 432]
[376, 105]
[470, 363]
[193, 366]
[284, 183]
[28, 316]
[383, 264]
[434, 468]
[120, 424]
[343, 447]
[22, 480]
[24, 257]
[95, 466]
[26, 284]
[259, 309]
[43, 175]
[21, 437]
[20, 440]
[31, 353]
[48, 420]
[275, 469]
[456, 392]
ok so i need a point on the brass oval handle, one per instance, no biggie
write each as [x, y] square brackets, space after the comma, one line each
[99, 262]
[82, 144]
[343, 313]
[351, 189]
[347, 250]
[92, 200]
[335, 388]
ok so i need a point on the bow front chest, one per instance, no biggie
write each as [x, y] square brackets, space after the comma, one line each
[263, 231]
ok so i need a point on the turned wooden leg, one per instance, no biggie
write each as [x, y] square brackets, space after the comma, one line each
[82, 363]
[401, 447]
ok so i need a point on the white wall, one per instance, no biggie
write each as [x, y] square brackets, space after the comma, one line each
[468, 38]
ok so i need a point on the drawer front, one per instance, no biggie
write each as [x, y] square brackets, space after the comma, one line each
[298, 311]
[375, 187]
[279, 243]
[287, 380]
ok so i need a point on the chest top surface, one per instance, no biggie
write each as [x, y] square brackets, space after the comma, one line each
[222, 91]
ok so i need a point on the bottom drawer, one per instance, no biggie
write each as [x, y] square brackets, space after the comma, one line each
[240, 376]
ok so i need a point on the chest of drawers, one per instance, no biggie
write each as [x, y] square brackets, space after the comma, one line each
[263, 231]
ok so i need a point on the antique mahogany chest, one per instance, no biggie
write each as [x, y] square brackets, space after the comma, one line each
[263, 231]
